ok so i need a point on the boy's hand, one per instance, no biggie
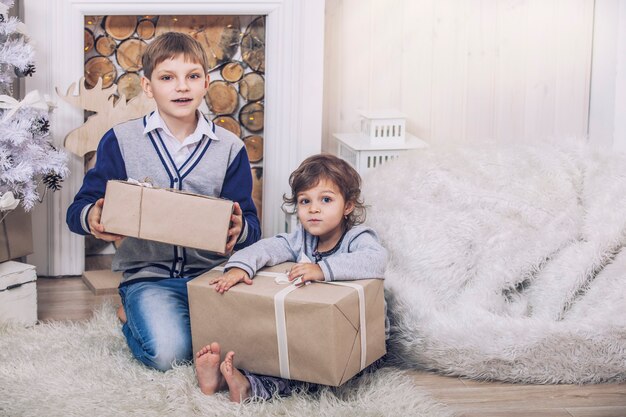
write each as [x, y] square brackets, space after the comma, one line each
[236, 223]
[231, 277]
[308, 272]
[97, 229]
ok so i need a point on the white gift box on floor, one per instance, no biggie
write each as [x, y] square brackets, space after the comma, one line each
[18, 293]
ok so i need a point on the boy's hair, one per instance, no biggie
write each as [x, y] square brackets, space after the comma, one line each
[331, 168]
[168, 46]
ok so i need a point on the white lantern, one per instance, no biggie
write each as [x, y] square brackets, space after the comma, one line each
[384, 127]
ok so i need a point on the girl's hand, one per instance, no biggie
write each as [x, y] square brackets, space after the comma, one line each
[231, 277]
[236, 223]
[308, 272]
[97, 229]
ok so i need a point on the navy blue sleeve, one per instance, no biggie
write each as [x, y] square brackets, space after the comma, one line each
[238, 187]
[109, 166]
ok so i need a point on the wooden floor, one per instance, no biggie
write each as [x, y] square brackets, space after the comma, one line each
[70, 299]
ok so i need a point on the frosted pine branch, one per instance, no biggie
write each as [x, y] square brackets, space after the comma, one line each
[9, 26]
[27, 156]
[17, 53]
[29, 163]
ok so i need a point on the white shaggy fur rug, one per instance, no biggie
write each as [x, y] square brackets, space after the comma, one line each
[85, 369]
[506, 263]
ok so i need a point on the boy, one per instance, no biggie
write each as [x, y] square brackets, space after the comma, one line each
[173, 147]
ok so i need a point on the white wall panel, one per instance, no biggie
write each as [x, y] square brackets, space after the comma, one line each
[481, 70]
[512, 58]
[461, 70]
[354, 66]
[574, 19]
[449, 63]
[386, 49]
[541, 42]
[416, 73]
[619, 134]
[332, 58]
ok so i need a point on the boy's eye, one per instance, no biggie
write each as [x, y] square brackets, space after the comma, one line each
[166, 77]
[194, 76]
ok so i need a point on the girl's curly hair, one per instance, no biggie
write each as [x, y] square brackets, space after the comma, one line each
[331, 168]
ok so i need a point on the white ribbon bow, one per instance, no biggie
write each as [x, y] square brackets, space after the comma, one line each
[32, 99]
[142, 184]
[284, 278]
[8, 201]
[279, 277]
[21, 28]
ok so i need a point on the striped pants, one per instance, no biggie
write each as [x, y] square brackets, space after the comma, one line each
[265, 386]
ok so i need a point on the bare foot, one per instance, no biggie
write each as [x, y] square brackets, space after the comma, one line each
[208, 373]
[121, 314]
[238, 384]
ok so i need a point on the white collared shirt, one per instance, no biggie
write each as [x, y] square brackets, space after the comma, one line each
[179, 151]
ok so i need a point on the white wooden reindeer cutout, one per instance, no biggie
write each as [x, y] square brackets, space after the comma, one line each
[109, 109]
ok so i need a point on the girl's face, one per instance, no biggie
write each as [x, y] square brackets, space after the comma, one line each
[321, 210]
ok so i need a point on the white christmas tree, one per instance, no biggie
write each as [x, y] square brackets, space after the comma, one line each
[29, 163]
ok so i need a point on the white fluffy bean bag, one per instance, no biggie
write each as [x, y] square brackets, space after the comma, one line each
[506, 263]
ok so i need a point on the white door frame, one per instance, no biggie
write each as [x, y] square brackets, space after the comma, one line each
[293, 82]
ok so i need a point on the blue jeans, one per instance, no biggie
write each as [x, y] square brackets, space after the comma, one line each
[157, 328]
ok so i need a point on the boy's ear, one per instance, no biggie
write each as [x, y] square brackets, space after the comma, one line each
[147, 87]
[348, 208]
[207, 80]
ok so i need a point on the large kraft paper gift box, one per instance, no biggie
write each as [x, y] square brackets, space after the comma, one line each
[321, 341]
[16, 234]
[166, 215]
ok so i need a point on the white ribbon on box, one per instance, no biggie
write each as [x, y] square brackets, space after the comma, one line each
[281, 323]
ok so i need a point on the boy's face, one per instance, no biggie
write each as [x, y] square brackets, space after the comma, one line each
[321, 209]
[178, 87]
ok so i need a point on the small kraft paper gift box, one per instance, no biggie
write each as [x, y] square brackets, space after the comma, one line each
[18, 293]
[16, 234]
[323, 333]
[166, 215]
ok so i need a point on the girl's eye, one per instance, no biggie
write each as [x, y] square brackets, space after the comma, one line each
[303, 201]
[326, 199]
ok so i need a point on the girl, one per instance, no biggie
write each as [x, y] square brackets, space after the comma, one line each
[325, 191]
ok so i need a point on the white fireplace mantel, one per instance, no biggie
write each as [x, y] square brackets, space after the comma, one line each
[293, 113]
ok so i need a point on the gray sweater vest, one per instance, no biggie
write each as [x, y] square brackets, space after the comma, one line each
[147, 159]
